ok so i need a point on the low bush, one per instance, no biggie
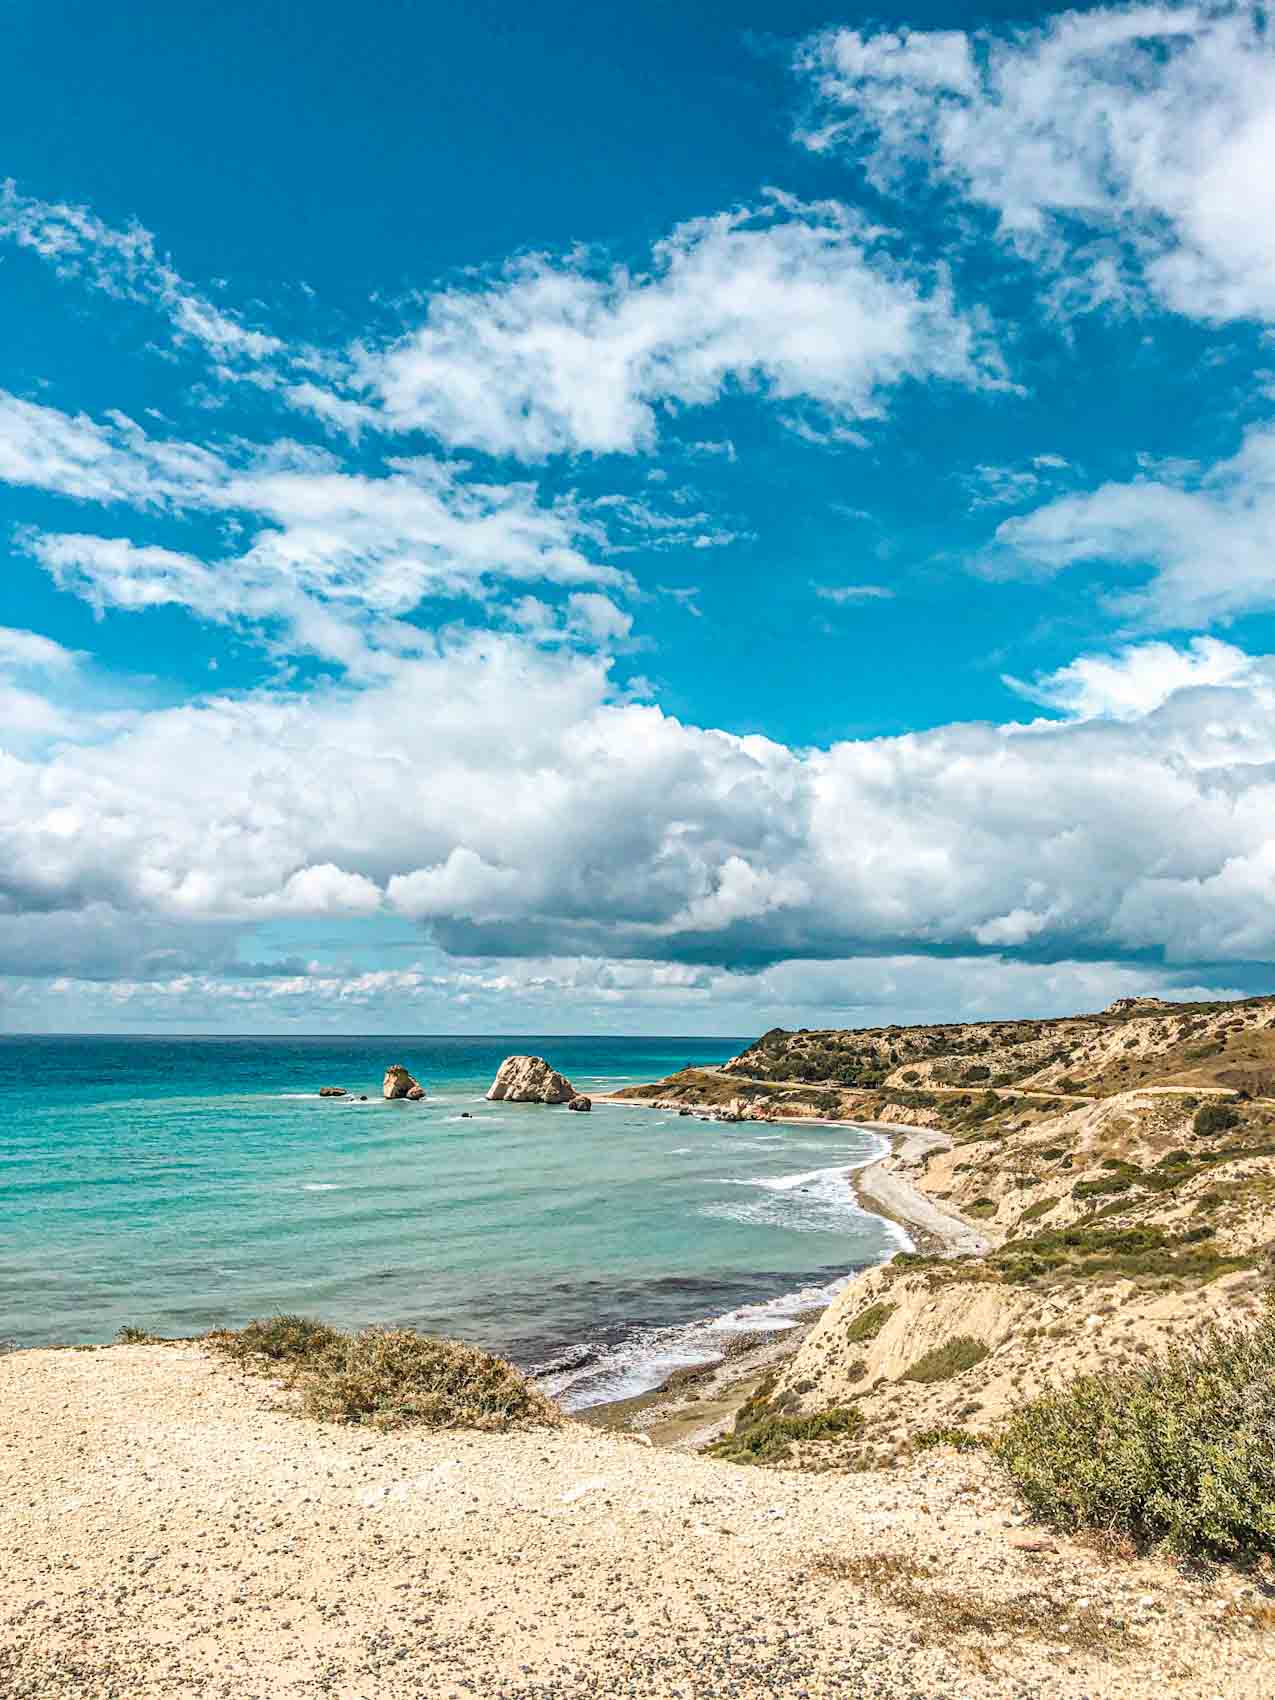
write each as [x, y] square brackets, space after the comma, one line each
[277, 1339]
[1177, 1453]
[869, 1323]
[1214, 1118]
[960, 1438]
[763, 1436]
[1041, 1207]
[941, 1363]
[388, 1378]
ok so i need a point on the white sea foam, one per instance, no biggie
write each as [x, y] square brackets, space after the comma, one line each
[321, 1186]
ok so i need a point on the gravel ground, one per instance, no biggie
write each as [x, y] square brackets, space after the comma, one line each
[168, 1527]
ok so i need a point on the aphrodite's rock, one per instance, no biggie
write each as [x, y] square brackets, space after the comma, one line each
[580, 1102]
[398, 1083]
[332, 1091]
[530, 1080]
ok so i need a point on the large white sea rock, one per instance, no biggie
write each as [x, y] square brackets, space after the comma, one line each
[530, 1080]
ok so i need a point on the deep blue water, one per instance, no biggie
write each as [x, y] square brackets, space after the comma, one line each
[179, 1183]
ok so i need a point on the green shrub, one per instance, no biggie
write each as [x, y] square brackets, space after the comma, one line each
[1178, 1453]
[280, 1339]
[960, 1438]
[388, 1378]
[1041, 1207]
[1120, 1178]
[941, 1363]
[981, 1207]
[1214, 1118]
[130, 1336]
[764, 1436]
[869, 1323]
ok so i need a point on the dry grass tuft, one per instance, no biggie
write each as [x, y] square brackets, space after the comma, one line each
[387, 1378]
[946, 1615]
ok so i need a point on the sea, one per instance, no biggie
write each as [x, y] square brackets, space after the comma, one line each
[180, 1184]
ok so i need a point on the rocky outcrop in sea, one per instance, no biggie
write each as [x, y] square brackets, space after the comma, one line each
[398, 1083]
[530, 1080]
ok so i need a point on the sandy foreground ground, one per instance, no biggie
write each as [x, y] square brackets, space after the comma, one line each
[168, 1527]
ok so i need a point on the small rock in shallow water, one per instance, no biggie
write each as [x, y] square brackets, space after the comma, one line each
[332, 1092]
[580, 1102]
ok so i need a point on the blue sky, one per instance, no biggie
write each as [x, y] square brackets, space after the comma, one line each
[676, 521]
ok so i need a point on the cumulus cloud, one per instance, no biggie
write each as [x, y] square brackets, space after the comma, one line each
[509, 802]
[1205, 538]
[1130, 148]
[1136, 679]
[568, 356]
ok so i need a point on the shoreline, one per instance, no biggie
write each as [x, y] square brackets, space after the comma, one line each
[695, 1405]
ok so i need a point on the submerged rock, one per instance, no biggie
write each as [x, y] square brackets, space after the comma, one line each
[398, 1083]
[332, 1092]
[530, 1080]
[580, 1102]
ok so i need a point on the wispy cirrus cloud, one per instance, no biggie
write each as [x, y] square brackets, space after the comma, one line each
[335, 559]
[127, 264]
[850, 593]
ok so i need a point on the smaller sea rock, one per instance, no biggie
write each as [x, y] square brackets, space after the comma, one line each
[398, 1083]
[414, 1093]
[580, 1102]
[332, 1092]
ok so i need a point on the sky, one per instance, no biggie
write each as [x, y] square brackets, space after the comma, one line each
[678, 519]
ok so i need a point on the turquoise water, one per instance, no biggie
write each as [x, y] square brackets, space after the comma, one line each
[176, 1184]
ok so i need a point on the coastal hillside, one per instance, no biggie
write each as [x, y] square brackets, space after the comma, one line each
[1114, 1173]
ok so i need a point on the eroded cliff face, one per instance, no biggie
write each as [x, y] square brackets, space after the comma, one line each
[1122, 1166]
[530, 1080]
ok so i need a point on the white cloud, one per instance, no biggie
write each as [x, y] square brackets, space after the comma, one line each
[336, 560]
[22, 651]
[572, 994]
[1127, 147]
[510, 801]
[1137, 679]
[843, 593]
[1205, 539]
[565, 356]
[126, 264]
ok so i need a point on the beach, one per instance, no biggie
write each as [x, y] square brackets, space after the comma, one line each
[169, 1527]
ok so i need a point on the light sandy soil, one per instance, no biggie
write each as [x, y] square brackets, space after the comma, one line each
[165, 1530]
[885, 1189]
